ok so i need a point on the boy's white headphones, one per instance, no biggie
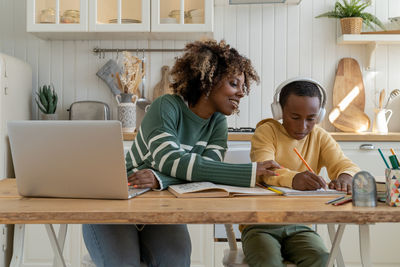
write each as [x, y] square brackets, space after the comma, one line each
[277, 109]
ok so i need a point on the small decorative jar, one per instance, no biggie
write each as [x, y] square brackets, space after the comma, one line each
[127, 111]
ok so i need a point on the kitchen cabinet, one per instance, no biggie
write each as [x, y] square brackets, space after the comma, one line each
[57, 15]
[182, 16]
[119, 16]
[104, 19]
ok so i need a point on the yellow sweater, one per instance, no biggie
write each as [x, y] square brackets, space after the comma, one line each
[271, 142]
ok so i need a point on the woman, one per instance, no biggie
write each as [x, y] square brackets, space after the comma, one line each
[182, 138]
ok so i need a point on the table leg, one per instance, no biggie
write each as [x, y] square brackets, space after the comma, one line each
[54, 243]
[364, 245]
[18, 246]
[62, 234]
[332, 232]
[335, 245]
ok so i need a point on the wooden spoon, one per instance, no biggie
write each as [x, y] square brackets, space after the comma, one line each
[381, 98]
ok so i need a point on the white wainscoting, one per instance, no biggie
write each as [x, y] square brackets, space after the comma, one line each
[283, 41]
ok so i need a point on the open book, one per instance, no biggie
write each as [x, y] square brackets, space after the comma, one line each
[319, 192]
[208, 189]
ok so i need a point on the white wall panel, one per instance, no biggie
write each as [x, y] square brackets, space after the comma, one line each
[82, 66]
[230, 35]
[57, 74]
[293, 38]
[282, 41]
[242, 44]
[255, 100]
[69, 82]
[267, 72]
[306, 38]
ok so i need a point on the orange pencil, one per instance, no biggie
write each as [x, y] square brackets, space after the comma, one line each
[305, 163]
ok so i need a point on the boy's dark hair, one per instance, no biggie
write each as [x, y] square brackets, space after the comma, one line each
[299, 88]
[204, 64]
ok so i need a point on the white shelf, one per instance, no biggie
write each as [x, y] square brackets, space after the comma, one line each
[370, 40]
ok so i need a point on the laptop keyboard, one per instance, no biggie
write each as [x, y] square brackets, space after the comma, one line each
[133, 192]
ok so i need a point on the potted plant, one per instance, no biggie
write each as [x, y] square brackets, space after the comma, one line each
[47, 102]
[352, 16]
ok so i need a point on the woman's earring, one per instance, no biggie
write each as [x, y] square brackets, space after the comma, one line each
[207, 94]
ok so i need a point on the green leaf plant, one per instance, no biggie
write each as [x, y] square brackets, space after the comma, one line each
[354, 8]
[47, 99]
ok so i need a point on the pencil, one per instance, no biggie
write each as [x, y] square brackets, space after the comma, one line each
[275, 190]
[334, 200]
[383, 157]
[343, 201]
[305, 163]
[264, 185]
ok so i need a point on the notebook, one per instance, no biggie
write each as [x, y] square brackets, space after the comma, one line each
[208, 189]
[70, 159]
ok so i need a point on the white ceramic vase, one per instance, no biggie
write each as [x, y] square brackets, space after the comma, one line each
[382, 117]
[127, 112]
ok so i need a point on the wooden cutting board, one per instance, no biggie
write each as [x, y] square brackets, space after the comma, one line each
[348, 76]
[348, 102]
[351, 120]
[162, 87]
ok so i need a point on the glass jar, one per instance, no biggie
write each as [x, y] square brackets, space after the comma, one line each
[70, 16]
[47, 15]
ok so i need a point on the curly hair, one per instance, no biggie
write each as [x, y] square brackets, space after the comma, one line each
[204, 64]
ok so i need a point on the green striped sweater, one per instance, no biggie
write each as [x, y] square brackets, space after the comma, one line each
[179, 147]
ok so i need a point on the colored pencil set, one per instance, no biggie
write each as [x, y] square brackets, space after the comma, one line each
[392, 158]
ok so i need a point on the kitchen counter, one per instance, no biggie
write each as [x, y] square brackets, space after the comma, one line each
[338, 136]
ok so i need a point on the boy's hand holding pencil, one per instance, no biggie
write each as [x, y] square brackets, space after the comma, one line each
[307, 180]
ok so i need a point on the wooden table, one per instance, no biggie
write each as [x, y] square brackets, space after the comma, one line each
[163, 208]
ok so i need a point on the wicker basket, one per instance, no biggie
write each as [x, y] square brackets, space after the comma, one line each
[351, 25]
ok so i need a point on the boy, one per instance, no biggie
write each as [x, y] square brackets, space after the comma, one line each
[301, 106]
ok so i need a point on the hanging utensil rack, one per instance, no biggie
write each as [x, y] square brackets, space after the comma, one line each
[102, 51]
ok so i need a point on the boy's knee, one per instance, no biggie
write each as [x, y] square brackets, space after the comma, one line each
[262, 259]
[315, 258]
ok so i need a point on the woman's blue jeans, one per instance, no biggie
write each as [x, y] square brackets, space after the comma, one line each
[124, 245]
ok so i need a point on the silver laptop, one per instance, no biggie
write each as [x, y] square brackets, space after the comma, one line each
[70, 159]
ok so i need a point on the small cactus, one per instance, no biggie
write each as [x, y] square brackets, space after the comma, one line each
[48, 99]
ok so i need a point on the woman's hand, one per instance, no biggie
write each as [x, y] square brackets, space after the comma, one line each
[143, 179]
[308, 181]
[342, 183]
[267, 167]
